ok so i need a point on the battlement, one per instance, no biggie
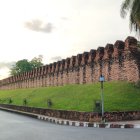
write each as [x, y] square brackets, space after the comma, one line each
[84, 68]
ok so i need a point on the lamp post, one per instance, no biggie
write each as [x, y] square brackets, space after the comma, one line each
[102, 79]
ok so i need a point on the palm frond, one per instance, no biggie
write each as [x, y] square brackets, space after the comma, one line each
[135, 17]
[125, 7]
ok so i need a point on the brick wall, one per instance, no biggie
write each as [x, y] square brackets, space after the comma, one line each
[78, 116]
[120, 61]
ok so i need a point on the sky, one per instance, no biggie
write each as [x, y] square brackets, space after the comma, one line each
[57, 29]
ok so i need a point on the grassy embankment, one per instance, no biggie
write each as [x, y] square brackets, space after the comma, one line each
[118, 96]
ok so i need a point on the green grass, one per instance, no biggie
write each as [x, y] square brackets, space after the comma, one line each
[118, 96]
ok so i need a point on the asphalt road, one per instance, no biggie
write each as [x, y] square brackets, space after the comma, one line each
[18, 127]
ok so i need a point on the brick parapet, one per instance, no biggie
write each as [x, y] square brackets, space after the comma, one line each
[91, 56]
[86, 68]
[72, 61]
[108, 51]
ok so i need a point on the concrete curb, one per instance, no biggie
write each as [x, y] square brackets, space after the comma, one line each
[72, 123]
[86, 124]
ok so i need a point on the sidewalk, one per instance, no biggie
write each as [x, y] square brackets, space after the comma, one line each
[124, 124]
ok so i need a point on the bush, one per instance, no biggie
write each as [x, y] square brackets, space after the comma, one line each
[25, 101]
[10, 101]
[49, 102]
[137, 84]
[98, 106]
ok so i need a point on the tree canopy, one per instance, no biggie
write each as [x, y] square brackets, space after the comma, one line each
[132, 7]
[26, 65]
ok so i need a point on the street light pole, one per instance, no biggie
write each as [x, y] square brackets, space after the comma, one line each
[102, 79]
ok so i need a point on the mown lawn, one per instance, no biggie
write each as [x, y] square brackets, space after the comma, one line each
[118, 96]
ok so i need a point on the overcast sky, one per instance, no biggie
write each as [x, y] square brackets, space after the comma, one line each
[57, 28]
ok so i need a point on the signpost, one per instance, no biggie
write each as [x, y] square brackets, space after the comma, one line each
[102, 79]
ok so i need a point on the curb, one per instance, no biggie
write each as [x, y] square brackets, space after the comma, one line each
[86, 124]
[72, 123]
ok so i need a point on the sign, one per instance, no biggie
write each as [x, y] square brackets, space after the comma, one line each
[102, 79]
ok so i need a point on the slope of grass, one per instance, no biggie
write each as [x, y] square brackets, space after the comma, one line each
[118, 96]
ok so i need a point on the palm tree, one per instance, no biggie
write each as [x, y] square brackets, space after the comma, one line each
[132, 6]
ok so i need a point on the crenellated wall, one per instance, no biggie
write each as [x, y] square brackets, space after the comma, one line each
[120, 61]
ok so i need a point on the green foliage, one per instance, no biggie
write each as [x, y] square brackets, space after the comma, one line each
[25, 101]
[133, 7]
[49, 102]
[20, 67]
[36, 62]
[138, 44]
[118, 96]
[10, 101]
[98, 106]
[137, 84]
[25, 65]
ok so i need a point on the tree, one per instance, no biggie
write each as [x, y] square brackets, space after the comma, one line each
[25, 65]
[20, 67]
[132, 6]
[36, 62]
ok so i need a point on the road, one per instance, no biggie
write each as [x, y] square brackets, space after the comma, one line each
[18, 127]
